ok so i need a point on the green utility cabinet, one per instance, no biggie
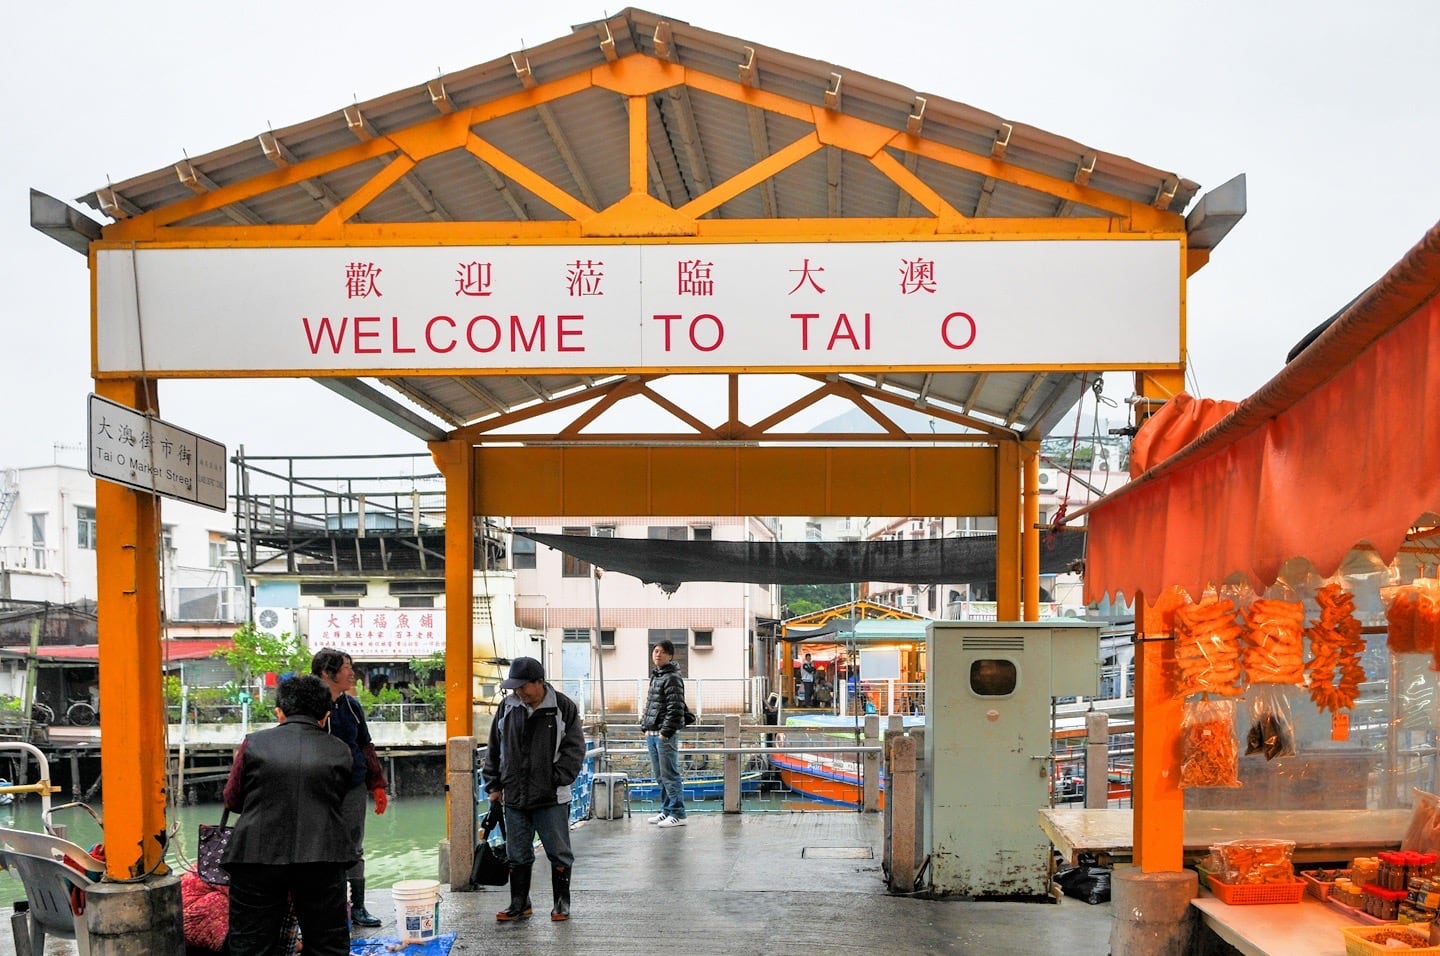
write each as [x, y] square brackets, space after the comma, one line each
[988, 690]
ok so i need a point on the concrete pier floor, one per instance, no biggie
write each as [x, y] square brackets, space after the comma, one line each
[754, 883]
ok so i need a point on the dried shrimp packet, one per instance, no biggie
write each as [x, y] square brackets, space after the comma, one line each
[1209, 752]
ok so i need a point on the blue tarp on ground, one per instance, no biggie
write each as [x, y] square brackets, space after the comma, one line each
[387, 945]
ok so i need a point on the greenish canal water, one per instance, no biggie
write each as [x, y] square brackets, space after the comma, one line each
[399, 844]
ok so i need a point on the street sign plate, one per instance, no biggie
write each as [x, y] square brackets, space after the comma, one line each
[147, 454]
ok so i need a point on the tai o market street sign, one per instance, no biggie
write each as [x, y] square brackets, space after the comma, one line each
[147, 454]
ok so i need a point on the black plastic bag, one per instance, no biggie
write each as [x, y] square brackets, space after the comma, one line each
[490, 867]
[1085, 881]
[1271, 728]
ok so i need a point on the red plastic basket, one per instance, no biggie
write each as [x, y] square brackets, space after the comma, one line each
[1251, 894]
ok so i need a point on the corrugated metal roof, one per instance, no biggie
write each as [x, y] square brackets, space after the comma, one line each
[698, 139]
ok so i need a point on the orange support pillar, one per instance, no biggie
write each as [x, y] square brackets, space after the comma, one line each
[1007, 532]
[132, 722]
[456, 459]
[1030, 532]
[1159, 828]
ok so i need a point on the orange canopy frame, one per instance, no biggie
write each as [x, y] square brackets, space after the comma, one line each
[1341, 448]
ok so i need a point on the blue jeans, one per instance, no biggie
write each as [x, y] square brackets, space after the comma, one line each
[551, 823]
[665, 764]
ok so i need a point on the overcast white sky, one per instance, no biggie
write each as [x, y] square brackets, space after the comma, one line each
[1328, 106]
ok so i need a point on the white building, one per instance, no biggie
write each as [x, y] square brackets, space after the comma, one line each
[712, 624]
[47, 549]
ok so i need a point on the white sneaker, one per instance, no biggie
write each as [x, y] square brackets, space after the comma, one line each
[668, 822]
[657, 818]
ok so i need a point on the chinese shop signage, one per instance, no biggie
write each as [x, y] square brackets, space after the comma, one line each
[782, 306]
[383, 634]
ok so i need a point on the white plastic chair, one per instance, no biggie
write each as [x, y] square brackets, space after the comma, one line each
[50, 868]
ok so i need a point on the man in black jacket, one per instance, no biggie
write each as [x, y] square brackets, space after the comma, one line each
[291, 843]
[664, 716]
[535, 751]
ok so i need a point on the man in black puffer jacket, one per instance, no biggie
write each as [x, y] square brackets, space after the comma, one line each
[664, 716]
[535, 751]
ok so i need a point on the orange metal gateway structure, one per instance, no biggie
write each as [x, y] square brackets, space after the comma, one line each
[510, 214]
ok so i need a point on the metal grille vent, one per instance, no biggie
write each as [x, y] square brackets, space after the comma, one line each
[481, 613]
[993, 642]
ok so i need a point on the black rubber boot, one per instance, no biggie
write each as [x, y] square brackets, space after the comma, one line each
[359, 915]
[519, 896]
[560, 879]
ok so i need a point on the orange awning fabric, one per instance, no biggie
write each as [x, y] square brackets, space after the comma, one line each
[1341, 448]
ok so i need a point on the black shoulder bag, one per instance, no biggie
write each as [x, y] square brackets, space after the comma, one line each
[491, 867]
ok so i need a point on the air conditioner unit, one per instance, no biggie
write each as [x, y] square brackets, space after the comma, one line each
[275, 620]
[1047, 479]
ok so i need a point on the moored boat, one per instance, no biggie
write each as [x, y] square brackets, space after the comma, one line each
[710, 786]
[829, 777]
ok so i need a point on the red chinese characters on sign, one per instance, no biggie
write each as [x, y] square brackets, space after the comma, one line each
[379, 633]
[360, 280]
[807, 274]
[583, 277]
[917, 275]
[694, 277]
[473, 279]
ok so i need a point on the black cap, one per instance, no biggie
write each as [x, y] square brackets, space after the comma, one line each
[522, 671]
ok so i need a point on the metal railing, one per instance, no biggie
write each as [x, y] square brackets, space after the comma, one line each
[625, 697]
[737, 745]
[233, 713]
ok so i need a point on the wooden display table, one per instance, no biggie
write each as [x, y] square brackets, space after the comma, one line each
[1320, 835]
[1281, 929]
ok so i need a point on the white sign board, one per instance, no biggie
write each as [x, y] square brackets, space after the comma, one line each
[147, 454]
[879, 664]
[1102, 303]
[389, 634]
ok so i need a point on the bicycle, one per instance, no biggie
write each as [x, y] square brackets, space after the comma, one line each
[81, 713]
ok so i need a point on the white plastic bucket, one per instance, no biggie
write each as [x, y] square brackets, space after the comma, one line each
[417, 909]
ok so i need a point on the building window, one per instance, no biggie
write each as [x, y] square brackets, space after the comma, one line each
[217, 550]
[576, 634]
[417, 586]
[571, 566]
[342, 602]
[607, 637]
[702, 534]
[357, 588]
[416, 600]
[84, 528]
[704, 639]
[669, 532]
[167, 541]
[522, 552]
[37, 537]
